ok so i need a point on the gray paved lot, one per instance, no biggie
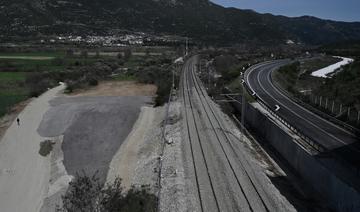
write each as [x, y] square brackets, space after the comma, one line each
[93, 129]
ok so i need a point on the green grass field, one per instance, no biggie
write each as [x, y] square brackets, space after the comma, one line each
[34, 54]
[56, 64]
[11, 77]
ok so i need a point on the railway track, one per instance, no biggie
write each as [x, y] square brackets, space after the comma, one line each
[189, 117]
[249, 191]
[204, 100]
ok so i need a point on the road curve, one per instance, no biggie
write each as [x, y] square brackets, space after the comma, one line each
[332, 137]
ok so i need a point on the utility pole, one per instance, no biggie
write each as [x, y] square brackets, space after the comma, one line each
[173, 76]
[209, 78]
[243, 108]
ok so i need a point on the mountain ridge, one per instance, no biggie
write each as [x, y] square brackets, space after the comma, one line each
[199, 19]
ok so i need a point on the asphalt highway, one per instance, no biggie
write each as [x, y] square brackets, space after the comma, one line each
[332, 137]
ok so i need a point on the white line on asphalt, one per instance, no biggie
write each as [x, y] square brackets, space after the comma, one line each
[262, 87]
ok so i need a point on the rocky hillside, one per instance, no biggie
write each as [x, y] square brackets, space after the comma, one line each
[199, 19]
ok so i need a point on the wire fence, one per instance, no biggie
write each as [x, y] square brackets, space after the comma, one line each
[331, 110]
[337, 109]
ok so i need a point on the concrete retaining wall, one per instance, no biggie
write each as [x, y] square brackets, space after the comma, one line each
[340, 195]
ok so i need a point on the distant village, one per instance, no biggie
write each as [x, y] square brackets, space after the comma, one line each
[137, 39]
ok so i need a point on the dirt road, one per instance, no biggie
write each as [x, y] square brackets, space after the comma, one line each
[24, 174]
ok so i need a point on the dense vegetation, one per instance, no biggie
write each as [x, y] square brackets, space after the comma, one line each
[349, 49]
[345, 85]
[86, 194]
[24, 78]
[154, 71]
[288, 76]
[225, 71]
[199, 19]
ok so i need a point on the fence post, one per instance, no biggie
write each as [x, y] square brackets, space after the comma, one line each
[340, 109]
[333, 106]
[326, 104]
[349, 109]
[320, 100]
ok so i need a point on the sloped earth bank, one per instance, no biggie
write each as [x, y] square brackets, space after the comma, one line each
[136, 162]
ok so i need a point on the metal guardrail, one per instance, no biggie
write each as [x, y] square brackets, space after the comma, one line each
[295, 130]
[315, 145]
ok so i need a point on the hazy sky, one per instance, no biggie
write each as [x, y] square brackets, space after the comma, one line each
[342, 10]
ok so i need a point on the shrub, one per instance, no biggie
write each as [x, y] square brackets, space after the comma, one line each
[231, 74]
[86, 194]
[38, 83]
[93, 82]
[162, 93]
[46, 147]
[119, 56]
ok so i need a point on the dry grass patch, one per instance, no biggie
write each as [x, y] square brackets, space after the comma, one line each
[118, 88]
